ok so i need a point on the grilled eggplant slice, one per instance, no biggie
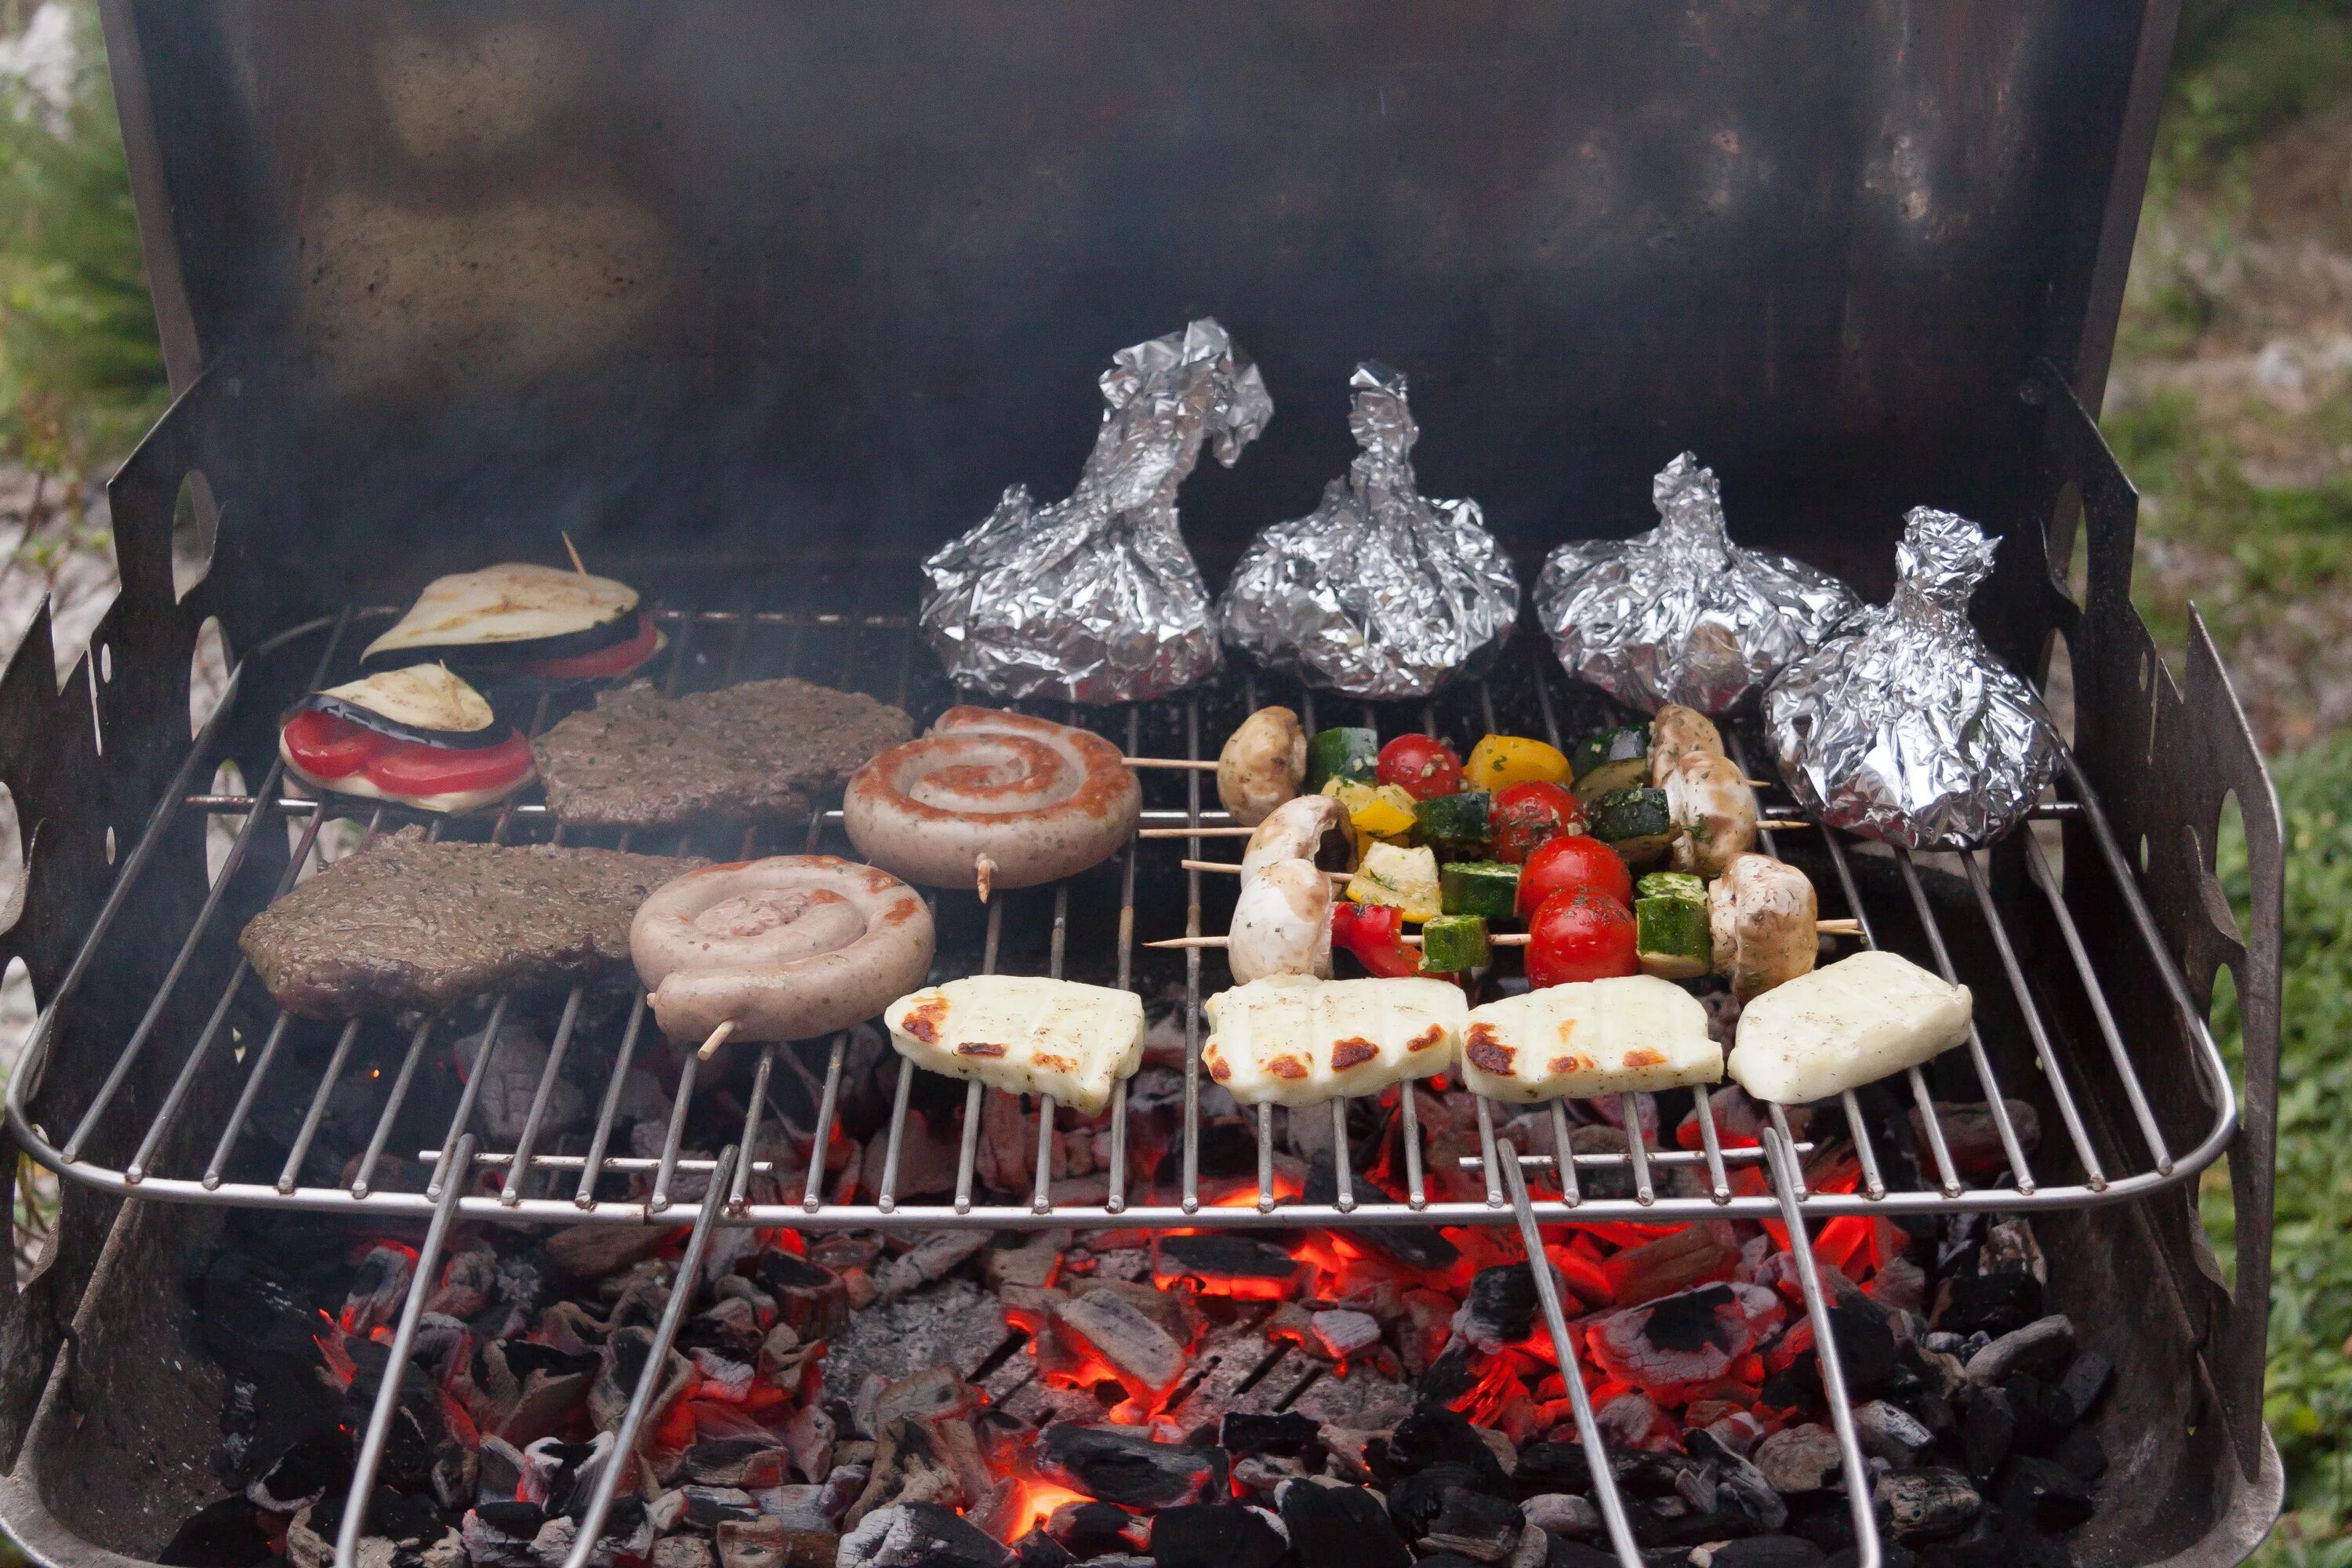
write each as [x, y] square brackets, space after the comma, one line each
[513, 613]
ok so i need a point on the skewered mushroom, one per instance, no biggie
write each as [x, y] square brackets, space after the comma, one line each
[1675, 733]
[1262, 766]
[1281, 922]
[1761, 913]
[1712, 812]
[1298, 829]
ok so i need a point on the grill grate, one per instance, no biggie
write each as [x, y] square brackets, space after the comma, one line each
[712, 648]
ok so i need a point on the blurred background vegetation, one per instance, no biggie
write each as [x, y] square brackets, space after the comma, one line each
[2229, 404]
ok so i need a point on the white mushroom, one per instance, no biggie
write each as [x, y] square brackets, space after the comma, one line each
[1675, 733]
[1712, 812]
[1295, 830]
[1761, 913]
[1282, 923]
[1262, 766]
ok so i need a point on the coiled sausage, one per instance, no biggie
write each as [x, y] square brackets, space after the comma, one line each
[1038, 800]
[787, 948]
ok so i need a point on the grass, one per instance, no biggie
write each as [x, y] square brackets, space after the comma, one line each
[2308, 1400]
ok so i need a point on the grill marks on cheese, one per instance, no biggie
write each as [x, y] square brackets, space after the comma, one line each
[1023, 1035]
[1591, 1038]
[1292, 1039]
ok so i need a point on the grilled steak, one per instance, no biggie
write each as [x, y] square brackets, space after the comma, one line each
[406, 925]
[766, 750]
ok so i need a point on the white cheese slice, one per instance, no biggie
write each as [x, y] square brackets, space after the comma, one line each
[1025, 1035]
[1292, 1039]
[1634, 1034]
[1846, 1023]
[518, 602]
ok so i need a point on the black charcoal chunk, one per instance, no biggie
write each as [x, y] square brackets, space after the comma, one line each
[1218, 1256]
[1866, 1348]
[1206, 1536]
[1500, 1309]
[2044, 1492]
[707, 1508]
[229, 1533]
[2082, 1456]
[1989, 1303]
[1432, 1434]
[1035, 1549]
[1132, 1471]
[2044, 1346]
[1766, 1552]
[1475, 1524]
[1291, 1435]
[2085, 1380]
[1561, 1467]
[1917, 1505]
[1417, 1499]
[2044, 1415]
[1454, 1374]
[1988, 1429]
[1092, 1529]
[919, 1535]
[1338, 1527]
[1576, 1554]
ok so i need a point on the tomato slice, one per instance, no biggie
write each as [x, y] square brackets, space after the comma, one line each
[408, 769]
[327, 747]
[606, 663]
[1421, 765]
[1573, 863]
[1580, 936]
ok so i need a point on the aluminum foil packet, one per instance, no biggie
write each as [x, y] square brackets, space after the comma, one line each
[1681, 613]
[1096, 598]
[1380, 591]
[1904, 727]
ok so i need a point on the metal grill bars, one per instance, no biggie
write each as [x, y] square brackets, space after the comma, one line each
[2122, 1173]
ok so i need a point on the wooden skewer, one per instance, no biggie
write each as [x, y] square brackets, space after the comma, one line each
[573, 551]
[719, 1037]
[983, 876]
[1496, 938]
[1208, 766]
[1838, 928]
[1233, 832]
[1234, 866]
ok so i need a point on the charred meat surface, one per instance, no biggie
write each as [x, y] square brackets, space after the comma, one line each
[408, 925]
[764, 749]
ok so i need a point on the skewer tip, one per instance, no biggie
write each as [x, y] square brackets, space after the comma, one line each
[719, 1036]
[573, 551]
[983, 876]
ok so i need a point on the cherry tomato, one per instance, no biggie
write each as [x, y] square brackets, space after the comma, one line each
[1422, 766]
[1374, 932]
[1524, 815]
[406, 768]
[327, 747]
[606, 663]
[1579, 936]
[1573, 863]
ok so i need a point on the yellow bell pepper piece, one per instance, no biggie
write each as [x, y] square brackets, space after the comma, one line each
[1387, 814]
[1498, 762]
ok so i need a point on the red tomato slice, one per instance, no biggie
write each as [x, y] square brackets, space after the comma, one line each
[1580, 936]
[327, 747]
[1569, 864]
[406, 768]
[606, 663]
[1524, 815]
[1421, 765]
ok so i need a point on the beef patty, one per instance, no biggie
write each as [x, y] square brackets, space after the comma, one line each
[763, 751]
[407, 925]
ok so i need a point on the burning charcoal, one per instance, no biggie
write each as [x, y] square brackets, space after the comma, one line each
[931, 1258]
[1696, 1255]
[1364, 1397]
[809, 1437]
[919, 1535]
[1339, 1526]
[1992, 1303]
[1674, 1523]
[1891, 1433]
[2044, 1345]
[842, 1488]
[1632, 1420]
[808, 1297]
[1341, 1335]
[1802, 1458]
[1900, 1285]
[1973, 1138]
[589, 1252]
[225, 1534]
[623, 1362]
[1433, 1435]
[1562, 1467]
[1918, 1504]
[754, 1463]
[681, 1552]
[1246, 1436]
[752, 1543]
[1217, 1264]
[707, 1508]
[1145, 1359]
[1091, 1528]
[1265, 1473]
[2085, 1380]
[1682, 1340]
[1037, 1550]
[912, 1464]
[377, 1290]
[499, 1534]
[1205, 1535]
[952, 1323]
[1116, 1466]
[934, 1393]
[1500, 1310]
[454, 1470]
[2048, 1494]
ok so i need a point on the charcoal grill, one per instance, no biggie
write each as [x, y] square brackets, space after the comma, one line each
[759, 306]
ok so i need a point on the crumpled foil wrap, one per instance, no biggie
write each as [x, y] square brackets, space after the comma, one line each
[1904, 727]
[1681, 613]
[1380, 591]
[1096, 598]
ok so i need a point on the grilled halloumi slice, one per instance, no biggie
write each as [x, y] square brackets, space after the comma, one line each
[1292, 1039]
[1844, 1025]
[1589, 1038]
[1025, 1035]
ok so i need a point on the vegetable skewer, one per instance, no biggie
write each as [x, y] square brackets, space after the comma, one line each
[1498, 938]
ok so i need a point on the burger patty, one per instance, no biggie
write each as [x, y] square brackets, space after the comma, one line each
[762, 750]
[411, 926]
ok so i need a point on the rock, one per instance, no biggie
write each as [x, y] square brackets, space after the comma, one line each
[1341, 1335]
[1992, 1303]
[2046, 1493]
[919, 1535]
[2044, 1345]
[1339, 1526]
[1116, 1466]
[1564, 1514]
[1919, 1504]
[681, 1552]
[1205, 1535]
[1891, 1433]
[1799, 1459]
